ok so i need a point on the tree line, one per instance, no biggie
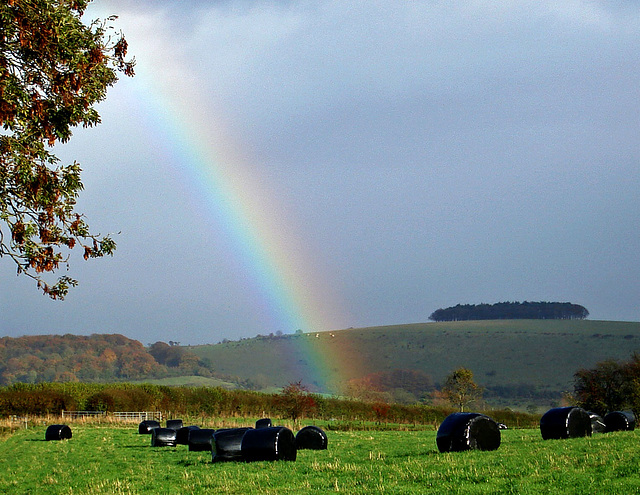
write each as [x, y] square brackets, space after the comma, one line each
[94, 358]
[511, 311]
[293, 402]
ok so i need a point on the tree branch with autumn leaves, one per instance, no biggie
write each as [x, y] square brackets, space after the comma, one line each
[54, 69]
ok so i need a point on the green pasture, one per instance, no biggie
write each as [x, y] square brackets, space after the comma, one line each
[190, 381]
[115, 459]
[541, 353]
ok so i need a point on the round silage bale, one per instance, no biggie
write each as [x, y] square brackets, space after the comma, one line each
[227, 444]
[182, 435]
[58, 432]
[565, 422]
[312, 438]
[468, 431]
[147, 426]
[620, 421]
[174, 424]
[263, 423]
[200, 440]
[597, 423]
[269, 444]
[163, 437]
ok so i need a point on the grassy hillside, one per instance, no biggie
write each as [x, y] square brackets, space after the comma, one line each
[502, 353]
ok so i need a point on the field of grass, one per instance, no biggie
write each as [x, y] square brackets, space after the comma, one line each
[541, 353]
[190, 381]
[115, 459]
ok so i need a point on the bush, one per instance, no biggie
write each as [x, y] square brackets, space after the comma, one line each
[24, 402]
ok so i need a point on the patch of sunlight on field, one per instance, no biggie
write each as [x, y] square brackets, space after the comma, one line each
[117, 460]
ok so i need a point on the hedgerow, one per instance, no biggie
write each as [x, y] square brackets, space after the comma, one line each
[53, 398]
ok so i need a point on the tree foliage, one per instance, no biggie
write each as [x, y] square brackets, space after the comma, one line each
[94, 358]
[70, 358]
[460, 389]
[174, 356]
[609, 386]
[511, 311]
[54, 69]
[403, 386]
[295, 401]
[51, 398]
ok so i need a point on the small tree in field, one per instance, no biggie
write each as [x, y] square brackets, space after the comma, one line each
[460, 389]
[54, 69]
[601, 389]
[609, 386]
[295, 401]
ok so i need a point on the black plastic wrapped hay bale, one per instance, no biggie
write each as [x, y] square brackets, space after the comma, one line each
[174, 424]
[200, 440]
[182, 435]
[597, 423]
[565, 422]
[312, 438]
[58, 432]
[468, 431]
[147, 426]
[163, 437]
[264, 423]
[227, 444]
[269, 444]
[620, 421]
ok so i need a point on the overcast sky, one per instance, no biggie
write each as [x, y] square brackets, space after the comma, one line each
[406, 156]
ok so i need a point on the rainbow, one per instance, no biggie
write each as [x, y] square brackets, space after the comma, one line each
[325, 360]
[229, 189]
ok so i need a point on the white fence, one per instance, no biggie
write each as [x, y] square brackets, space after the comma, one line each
[136, 415]
[139, 415]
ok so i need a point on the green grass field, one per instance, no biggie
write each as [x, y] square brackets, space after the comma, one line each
[190, 381]
[115, 459]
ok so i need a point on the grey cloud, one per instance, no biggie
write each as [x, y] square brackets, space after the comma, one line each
[428, 154]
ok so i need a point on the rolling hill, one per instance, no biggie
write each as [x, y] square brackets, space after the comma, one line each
[515, 359]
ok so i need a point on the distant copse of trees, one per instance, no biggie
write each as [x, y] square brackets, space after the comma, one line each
[512, 311]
